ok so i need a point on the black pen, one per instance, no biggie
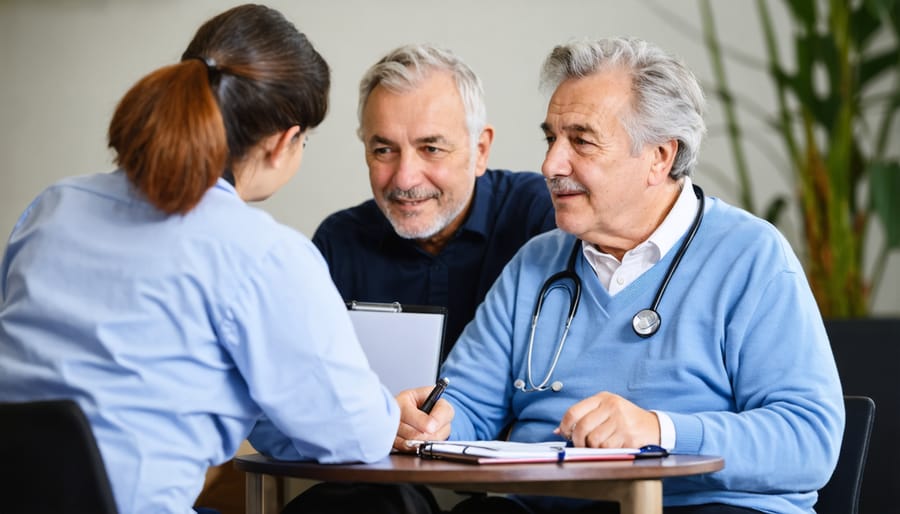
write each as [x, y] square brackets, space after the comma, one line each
[435, 393]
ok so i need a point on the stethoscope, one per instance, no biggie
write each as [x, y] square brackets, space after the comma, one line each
[645, 323]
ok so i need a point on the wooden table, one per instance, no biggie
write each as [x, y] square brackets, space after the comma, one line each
[636, 485]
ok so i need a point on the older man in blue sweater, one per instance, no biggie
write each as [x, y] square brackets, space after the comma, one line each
[737, 364]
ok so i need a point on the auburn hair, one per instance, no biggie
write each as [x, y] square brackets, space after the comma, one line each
[247, 74]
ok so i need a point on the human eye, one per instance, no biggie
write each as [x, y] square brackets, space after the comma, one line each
[580, 141]
[382, 152]
[432, 151]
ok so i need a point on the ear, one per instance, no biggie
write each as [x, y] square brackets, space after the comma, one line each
[662, 158]
[483, 149]
[278, 146]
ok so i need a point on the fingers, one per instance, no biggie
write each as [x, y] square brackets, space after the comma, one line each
[606, 420]
[417, 425]
[405, 445]
[568, 425]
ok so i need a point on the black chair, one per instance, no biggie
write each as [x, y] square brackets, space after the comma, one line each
[49, 461]
[867, 351]
[841, 494]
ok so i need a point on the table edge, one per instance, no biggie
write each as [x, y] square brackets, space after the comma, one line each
[426, 471]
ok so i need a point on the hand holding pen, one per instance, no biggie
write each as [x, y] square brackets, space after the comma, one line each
[423, 419]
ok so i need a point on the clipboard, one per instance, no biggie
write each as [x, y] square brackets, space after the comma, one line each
[402, 342]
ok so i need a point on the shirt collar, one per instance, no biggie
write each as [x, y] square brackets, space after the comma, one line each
[479, 218]
[677, 221]
[225, 185]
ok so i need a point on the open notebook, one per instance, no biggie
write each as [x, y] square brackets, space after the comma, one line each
[402, 342]
[509, 452]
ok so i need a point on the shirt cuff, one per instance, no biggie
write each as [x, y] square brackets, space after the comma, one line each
[666, 430]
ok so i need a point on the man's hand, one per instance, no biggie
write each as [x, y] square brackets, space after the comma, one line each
[415, 424]
[607, 420]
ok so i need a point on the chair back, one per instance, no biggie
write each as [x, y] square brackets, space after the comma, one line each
[49, 461]
[841, 494]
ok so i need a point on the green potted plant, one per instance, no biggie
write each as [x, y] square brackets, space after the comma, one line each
[837, 101]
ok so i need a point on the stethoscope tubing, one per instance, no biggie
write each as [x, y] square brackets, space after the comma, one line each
[575, 299]
[695, 225]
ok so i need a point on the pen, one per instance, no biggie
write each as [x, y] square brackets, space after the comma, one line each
[434, 395]
[652, 450]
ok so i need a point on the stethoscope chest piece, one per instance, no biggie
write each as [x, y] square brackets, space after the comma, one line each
[646, 322]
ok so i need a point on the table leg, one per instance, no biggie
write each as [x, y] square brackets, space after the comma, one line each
[263, 494]
[640, 497]
[254, 487]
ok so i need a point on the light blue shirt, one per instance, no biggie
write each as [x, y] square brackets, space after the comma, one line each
[179, 335]
[741, 363]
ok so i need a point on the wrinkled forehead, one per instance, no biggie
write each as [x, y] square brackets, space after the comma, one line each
[593, 100]
[430, 112]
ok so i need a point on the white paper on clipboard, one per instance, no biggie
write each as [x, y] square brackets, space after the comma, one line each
[402, 342]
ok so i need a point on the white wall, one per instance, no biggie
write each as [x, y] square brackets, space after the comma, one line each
[65, 63]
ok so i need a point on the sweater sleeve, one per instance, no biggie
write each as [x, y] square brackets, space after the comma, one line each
[786, 428]
[479, 366]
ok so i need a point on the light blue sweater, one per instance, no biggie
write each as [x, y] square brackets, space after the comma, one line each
[741, 363]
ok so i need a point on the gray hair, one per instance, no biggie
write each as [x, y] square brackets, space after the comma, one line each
[668, 101]
[404, 68]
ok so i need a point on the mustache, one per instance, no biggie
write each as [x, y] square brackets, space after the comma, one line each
[565, 185]
[414, 194]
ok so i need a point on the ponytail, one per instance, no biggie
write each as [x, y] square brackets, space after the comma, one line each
[169, 136]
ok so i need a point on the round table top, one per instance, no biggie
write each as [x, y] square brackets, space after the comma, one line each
[412, 469]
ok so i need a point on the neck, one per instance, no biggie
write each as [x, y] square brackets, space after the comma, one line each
[618, 245]
[434, 244]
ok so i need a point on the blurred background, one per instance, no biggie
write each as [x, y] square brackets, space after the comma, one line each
[64, 64]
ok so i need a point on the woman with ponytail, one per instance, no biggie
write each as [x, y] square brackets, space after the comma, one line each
[181, 319]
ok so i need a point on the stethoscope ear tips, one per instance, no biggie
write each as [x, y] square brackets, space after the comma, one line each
[646, 322]
[519, 384]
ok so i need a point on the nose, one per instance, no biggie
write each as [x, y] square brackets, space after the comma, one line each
[408, 172]
[556, 161]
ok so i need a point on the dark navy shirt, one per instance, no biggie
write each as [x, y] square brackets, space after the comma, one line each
[369, 262]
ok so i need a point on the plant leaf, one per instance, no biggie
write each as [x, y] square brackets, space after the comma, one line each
[804, 11]
[865, 22]
[884, 187]
[872, 66]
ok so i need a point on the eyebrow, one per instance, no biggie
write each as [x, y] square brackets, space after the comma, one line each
[376, 139]
[432, 139]
[577, 128]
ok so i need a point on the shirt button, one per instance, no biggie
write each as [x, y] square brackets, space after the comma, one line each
[620, 280]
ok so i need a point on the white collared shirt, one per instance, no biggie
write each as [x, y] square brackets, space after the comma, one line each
[616, 276]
